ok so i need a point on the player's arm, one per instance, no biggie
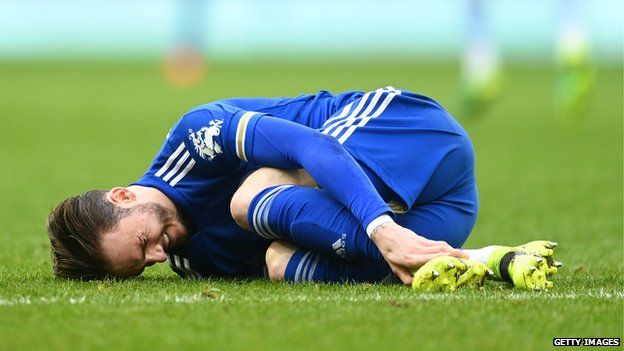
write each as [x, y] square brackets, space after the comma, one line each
[269, 141]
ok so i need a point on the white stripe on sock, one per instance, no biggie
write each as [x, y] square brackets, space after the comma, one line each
[300, 265]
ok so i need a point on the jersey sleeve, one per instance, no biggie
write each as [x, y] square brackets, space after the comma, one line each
[266, 140]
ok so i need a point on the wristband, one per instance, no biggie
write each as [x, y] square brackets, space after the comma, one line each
[383, 219]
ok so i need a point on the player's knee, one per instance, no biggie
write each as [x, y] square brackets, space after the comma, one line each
[258, 181]
[277, 257]
[239, 205]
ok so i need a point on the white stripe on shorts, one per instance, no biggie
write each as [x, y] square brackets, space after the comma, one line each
[365, 120]
[355, 112]
[349, 121]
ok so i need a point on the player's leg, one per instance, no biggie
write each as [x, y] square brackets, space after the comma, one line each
[406, 142]
[277, 257]
[259, 180]
[315, 221]
[312, 219]
[288, 262]
[268, 205]
[452, 217]
[526, 266]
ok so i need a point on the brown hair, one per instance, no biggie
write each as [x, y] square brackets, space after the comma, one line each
[74, 228]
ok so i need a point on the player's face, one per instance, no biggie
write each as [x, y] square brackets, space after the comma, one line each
[141, 239]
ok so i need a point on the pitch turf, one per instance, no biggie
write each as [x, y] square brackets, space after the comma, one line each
[67, 128]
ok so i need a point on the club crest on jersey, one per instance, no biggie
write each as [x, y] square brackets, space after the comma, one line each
[204, 140]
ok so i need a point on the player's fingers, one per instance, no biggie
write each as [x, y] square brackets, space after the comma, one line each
[437, 252]
[426, 241]
[459, 253]
[439, 246]
[419, 260]
[435, 243]
[404, 274]
[424, 250]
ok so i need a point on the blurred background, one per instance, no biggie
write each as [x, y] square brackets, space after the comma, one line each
[247, 29]
[88, 90]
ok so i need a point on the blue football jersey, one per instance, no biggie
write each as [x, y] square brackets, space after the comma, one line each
[202, 162]
[400, 136]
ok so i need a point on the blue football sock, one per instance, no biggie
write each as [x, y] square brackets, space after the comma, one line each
[312, 219]
[307, 266]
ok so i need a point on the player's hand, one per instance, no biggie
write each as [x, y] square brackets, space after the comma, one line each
[406, 251]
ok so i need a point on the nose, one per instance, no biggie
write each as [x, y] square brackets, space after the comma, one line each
[155, 255]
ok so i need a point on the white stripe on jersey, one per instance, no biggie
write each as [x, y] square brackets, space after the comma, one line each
[176, 263]
[187, 265]
[183, 265]
[175, 171]
[184, 172]
[177, 167]
[365, 120]
[170, 160]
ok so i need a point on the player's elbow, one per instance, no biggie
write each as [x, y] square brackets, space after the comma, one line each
[322, 146]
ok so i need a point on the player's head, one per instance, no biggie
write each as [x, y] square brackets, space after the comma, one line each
[113, 233]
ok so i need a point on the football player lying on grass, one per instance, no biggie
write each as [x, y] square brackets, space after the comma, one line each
[334, 188]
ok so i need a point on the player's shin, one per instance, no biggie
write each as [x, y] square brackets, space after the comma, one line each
[310, 218]
[308, 266]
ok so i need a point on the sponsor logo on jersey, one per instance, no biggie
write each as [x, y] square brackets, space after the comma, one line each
[204, 140]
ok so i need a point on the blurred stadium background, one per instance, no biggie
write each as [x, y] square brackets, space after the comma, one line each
[247, 29]
[88, 90]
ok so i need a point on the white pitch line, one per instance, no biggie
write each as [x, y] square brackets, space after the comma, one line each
[222, 297]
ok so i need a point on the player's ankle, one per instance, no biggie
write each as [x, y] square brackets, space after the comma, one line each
[498, 262]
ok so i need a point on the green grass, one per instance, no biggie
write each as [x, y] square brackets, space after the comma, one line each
[70, 127]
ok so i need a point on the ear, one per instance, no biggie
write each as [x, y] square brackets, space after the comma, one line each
[122, 197]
